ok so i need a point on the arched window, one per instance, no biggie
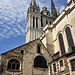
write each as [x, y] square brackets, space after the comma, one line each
[61, 44]
[40, 62]
[69, 37]
[13, 64]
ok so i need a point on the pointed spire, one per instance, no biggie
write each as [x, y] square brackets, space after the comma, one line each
[38, 8]
[33, 2]
[53, 10]
[34, 7]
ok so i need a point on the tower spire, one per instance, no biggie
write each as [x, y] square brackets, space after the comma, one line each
[33, 6]
[33, 2]
[53, 10]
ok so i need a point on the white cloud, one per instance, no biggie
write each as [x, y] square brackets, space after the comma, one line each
[13, 16]
[2, 35]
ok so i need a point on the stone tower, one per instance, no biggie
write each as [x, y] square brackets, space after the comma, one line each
[37, 20]
[33, 22]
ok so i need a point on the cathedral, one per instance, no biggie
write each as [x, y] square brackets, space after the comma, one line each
[50, 44]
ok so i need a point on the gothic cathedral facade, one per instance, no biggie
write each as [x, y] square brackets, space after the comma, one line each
[50, 44]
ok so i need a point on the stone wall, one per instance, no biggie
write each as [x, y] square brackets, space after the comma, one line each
[26, 60]
[60, 70]
[65, 19]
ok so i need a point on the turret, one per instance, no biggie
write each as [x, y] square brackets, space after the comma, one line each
[45, 11]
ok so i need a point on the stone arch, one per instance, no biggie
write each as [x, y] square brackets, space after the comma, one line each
[58, 34]
[68, 25]
[40, 62]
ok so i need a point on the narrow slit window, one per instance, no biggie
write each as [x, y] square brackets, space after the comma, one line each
[41, 21]
[38, 49]
[61, 63]
[36, 22]
[33, 22]
[54, 67]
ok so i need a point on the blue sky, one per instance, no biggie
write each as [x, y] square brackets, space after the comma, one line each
[13, 21]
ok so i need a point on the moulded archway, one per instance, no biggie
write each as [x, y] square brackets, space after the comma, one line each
[40, 62]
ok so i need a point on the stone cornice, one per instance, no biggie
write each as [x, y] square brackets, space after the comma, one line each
[47, 27]
[62, 15]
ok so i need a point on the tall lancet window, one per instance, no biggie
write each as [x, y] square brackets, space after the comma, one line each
[69, 37]
[33, 22]
[61, 44]
[36, 22]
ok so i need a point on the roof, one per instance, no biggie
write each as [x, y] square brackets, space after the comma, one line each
[21, 46]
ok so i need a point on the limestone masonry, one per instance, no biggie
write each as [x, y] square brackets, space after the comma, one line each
[50, 44]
